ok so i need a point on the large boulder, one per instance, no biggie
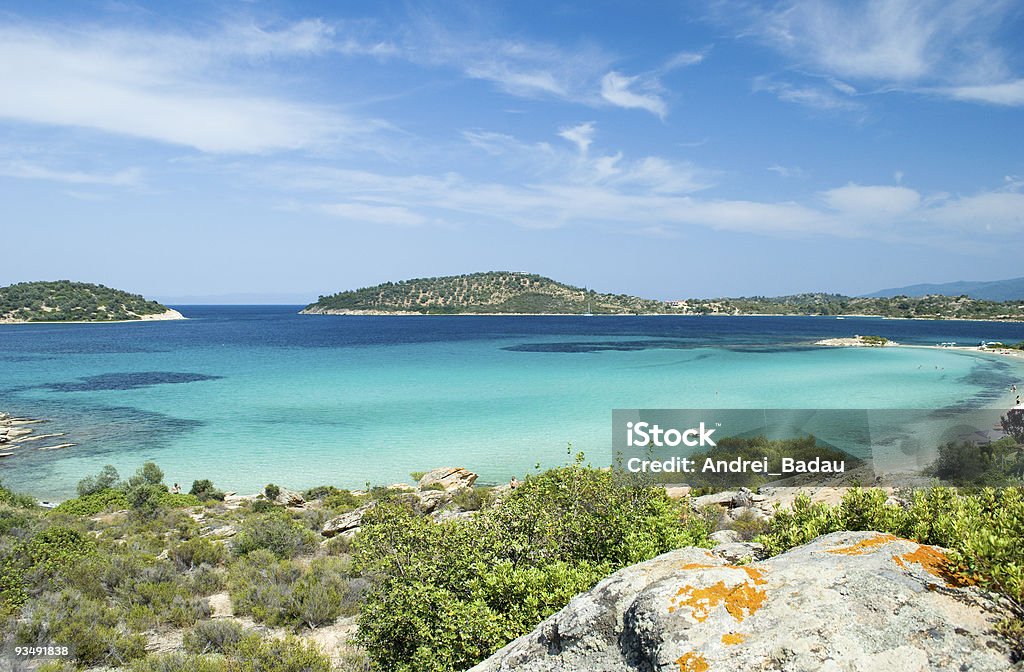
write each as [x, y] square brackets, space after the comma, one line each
[348, 522]
[449, 478]
[290, 498]
[848, 601]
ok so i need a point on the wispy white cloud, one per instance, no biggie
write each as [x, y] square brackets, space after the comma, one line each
[949, 47]
[165, 87]
[809, 94]
[30, 171]
[581, 135]
[619, 90]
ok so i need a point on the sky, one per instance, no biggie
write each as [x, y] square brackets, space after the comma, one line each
[276, 151]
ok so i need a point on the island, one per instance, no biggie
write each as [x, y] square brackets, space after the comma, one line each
[494, 292]
[518, 293]
[66, 301]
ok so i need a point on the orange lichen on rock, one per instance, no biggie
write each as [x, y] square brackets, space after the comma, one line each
[756, 575]
[935, 562]
[865, 546]
[692, 662]
[740, 601]
[733, 638]
[697, 565]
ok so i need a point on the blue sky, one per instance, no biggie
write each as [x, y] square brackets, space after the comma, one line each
[287, 149]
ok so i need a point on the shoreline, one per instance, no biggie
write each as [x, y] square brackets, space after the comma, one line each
[169, 314]
[395, 313]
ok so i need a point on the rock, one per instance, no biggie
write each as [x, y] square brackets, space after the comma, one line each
[432, 500]
[725, 537]
[220, 605]
[848, 601]
[401, 487]
[740, 551]
[450, 478]
[290, 498]
[717, 499]
[677, 491]
[755, 512]
[347, 521]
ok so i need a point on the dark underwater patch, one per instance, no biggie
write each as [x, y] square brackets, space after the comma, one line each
[600, 346]
[127, 381]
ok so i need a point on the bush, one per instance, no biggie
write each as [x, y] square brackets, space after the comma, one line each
[472, 499]
[95, 502]
[14, 499]
[195, 552]
[105, 480]
[449, 594]
[88, 626]
[281, 593]
[271, 491]
[204, 490]
[341, 501]
[275, 533]
[290, 654]
[179, 662]
[213, 637]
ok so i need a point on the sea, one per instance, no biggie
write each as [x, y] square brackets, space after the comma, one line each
[250, 395]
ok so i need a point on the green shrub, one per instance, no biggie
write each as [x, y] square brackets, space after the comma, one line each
[177, 500]
[180, 662]
[275, 533]
[341, 501]
[105, 480]
[195, 552]
[213, 637]
[88, 626]
[448, 594]
[290, 654]
[204, 490]
[319, 492]
[17, 500]
[95, 502]
[271, 491]
[472, 499]
[206, 580]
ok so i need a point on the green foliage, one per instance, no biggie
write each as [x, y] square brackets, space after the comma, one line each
[88, 626]
[966, 463]
[253, 654]
[276, 533]
[984, 531]
[493, 292]
[148, 474]
[874, 340]
[284, 593]
[64, 300]
[472, 499]
[180, 662]
[213, 636]
[271, 491]
[94, 502]
[198, 551]
[105, 480]
[11, 498]
[448, 594]
[204, 490]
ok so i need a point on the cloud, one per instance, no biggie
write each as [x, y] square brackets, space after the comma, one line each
[861, 201]
[165, 87]
[1007, 93]
[617, 89]
[787, 171]
[811, 95]
[949, 47]
[581, 135]
[373, 214]
[29, 171]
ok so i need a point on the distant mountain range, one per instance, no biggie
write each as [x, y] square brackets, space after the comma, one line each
[994, 290]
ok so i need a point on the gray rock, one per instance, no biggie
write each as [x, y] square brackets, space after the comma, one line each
[432, 500]
[757, 513]
[846, 602]
[740, 551]
[347, 521]
[725, 537]
[449, 478]
[289, 498]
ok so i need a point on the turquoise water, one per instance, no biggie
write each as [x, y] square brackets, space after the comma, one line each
[251, 395]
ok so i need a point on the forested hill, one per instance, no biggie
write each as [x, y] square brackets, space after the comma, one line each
[493, 292]
[63, 300]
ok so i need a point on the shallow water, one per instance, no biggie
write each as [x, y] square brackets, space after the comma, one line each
[247, 395]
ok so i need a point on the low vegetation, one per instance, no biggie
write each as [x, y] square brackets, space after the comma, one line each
[126, 564]
[64, 300]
